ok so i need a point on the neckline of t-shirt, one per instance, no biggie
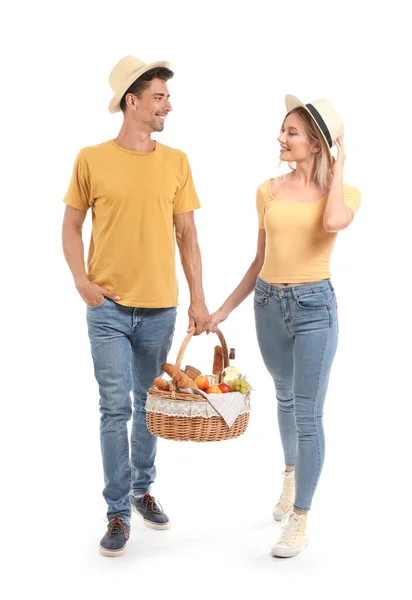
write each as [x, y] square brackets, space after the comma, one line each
[288, 201]
[133, 152]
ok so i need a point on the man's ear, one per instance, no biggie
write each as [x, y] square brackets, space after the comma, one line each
[131, 101]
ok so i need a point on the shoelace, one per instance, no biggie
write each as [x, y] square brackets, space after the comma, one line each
[286, 492]
[116, 525]
[150, 502]
[290, 532]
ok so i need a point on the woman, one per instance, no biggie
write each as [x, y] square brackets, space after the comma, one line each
[295, 305]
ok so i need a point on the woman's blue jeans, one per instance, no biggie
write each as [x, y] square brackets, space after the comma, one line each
[297, 330]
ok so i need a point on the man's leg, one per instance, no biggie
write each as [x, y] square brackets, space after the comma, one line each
[151, 343]
[109, 325]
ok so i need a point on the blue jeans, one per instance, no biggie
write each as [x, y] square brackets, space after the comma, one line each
[297, 330]
[129, 346]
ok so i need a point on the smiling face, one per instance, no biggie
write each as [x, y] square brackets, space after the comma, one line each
[150, 110]
[294, 140]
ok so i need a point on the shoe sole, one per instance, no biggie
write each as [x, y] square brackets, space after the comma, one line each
[283, 517]
[285, 553]
[112, 553]
[158, 526]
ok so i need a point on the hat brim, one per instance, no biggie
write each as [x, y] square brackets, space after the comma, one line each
[294, 102]
[114, 105]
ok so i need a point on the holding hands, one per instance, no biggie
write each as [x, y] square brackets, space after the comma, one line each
[215, 318]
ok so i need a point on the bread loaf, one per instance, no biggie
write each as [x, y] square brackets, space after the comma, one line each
[182, 380]
[218, 362]
[192, 372]
[162, 384]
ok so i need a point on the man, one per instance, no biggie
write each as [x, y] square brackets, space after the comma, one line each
[141, 193]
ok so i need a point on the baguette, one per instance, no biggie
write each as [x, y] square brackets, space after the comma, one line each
[218, 362]
[182, 380]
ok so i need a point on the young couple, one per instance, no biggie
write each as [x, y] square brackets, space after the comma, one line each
[142, 198]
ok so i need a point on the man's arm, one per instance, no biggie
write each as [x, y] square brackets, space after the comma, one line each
[186, 238]
[73, 250]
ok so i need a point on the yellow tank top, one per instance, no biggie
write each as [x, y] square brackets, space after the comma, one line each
[298, 248]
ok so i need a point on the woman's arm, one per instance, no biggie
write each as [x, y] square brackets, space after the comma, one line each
[245, 287]
[337, 215]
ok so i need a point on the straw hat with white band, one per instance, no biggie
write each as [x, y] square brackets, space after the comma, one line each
[127, 70]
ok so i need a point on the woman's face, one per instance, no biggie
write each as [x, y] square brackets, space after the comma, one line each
[294, 141]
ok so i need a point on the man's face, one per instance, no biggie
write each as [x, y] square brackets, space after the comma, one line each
[152, 108]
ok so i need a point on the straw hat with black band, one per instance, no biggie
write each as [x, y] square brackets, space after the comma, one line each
[324, 115]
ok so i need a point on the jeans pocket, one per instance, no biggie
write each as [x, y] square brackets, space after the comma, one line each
[260, 299]
[97, 305]
[314, 300]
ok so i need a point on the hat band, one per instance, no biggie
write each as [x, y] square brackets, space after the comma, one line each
[321, 123]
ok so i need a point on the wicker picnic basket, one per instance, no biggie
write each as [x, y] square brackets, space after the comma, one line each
[194, 426]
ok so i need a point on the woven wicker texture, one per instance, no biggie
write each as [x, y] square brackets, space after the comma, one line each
[195, 429]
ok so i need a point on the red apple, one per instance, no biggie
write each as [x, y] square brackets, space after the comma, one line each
[225, 388]
[213, 389]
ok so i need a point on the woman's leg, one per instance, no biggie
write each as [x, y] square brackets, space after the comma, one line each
[315, 326]
[276, 346]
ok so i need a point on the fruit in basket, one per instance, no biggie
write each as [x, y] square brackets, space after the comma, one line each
[202, 382]
[240, 385]
[224, 388]
[230, 373]
[213, 389]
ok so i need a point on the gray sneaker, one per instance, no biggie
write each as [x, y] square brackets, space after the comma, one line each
[151, 511]
[115, 539]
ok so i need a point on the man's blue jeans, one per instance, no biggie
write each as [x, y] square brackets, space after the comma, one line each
[297, 329]
[129, 346]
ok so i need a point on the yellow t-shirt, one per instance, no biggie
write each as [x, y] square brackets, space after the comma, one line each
[133, 197]
[298, 248]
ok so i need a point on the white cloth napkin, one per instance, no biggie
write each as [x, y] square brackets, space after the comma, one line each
[229, 405]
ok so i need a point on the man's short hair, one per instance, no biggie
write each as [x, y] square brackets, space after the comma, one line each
[142, 83]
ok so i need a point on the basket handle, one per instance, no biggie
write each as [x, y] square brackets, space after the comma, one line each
[185, 344]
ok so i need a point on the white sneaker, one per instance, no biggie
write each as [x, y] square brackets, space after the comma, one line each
[284, 506]
[293, 538]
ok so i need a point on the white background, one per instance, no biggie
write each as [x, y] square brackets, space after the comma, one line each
[234, 63]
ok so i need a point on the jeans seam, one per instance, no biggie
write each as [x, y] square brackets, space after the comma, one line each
[331, 322]
[315, 406]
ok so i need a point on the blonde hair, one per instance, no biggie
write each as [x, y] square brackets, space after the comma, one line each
[322, 168]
